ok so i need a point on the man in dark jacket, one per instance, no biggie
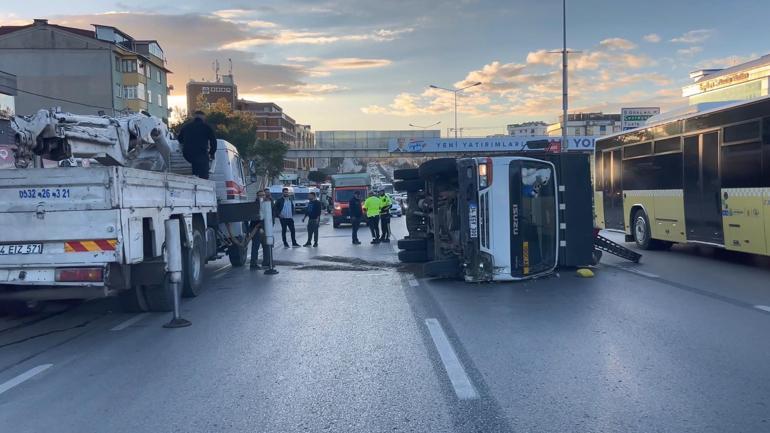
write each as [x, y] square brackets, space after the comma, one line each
[199, 144]
[284, 210]
[313, 211]
[259, 239]
[356, 214]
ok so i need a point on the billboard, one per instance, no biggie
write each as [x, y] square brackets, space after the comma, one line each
[489, 144]
[635, 117]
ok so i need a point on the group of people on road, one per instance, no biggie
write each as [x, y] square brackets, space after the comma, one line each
[376, 207]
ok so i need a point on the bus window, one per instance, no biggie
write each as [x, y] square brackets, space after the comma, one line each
[742, 165]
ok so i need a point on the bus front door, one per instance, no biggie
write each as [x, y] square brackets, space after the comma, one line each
[702, 205]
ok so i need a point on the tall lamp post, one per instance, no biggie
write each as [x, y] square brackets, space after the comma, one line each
[565, 93]
[456, 91]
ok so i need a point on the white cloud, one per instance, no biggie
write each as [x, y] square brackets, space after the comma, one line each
[291, 37]
[618, 44]
[694, 36]
[726, 62]
[354, 63]
[689, 52]
[544, 57]
[652, 37]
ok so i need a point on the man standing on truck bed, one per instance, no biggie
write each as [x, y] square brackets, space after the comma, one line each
[199, 144]
[284, 208]
[372, 208]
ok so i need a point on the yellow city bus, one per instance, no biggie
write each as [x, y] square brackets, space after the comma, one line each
[698, 178]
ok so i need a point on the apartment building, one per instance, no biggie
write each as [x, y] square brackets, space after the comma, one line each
[84, 71]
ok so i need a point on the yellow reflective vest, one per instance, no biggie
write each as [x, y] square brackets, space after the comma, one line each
[385, 204]
[372, 205]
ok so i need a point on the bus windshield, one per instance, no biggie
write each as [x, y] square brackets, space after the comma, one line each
[533, 218]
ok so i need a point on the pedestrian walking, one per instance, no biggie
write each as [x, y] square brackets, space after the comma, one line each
[259, 238]
[385, 205]
[199, 144]
[284, 209]
[356, 214]
[372, 208]
[313, 212]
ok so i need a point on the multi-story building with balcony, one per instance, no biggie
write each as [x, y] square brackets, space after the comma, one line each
[103, 70]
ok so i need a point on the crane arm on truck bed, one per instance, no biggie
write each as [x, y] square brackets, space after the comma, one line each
[136, 140]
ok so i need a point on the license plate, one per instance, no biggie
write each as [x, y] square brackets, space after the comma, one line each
[20, 249]
[473, 218]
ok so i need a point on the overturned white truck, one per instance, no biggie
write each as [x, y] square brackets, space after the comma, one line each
[83, 201]
[499, 218]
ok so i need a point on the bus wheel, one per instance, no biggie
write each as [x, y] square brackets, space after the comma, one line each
[641, 230]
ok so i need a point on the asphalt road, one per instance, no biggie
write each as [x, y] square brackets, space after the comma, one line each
[345, 340]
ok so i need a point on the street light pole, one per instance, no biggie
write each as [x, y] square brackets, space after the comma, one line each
[456, 91]
[565, 94]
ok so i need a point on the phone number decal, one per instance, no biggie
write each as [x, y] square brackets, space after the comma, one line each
[54, 193]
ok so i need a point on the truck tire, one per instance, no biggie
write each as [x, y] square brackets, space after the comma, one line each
[160, 297]
[237, 255]
[438, 167]
[412, 185]
[406, 174]
[442, 268]
[413, 244]
[193, 265]
[133, 300]
[417, 256]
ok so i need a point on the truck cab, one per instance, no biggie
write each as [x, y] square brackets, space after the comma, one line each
[501, 218]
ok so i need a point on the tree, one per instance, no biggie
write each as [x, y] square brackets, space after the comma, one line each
[268, 157]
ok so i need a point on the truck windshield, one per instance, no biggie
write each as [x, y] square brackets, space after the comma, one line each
[533, 218]
[344, 195]
[300, 195]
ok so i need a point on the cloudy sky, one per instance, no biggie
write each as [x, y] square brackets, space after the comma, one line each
[367, 64]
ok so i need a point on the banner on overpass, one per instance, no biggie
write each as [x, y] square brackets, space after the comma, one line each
[490, 144]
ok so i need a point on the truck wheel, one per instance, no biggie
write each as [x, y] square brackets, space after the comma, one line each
[438, 167]
[413, 244]
[412, 185]
[193, 265]
[442, 268]
[406, 174]
[641, 230]
[160, 297]
[418, 256]
[133, 300]
[237, 255]
[596, 257]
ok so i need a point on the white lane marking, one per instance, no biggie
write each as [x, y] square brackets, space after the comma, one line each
[394, 245]
[464, 389]
[223, 267]
[129, 322]
[634, 271]
[413, 282]
[763, 308]
[642, 273]
[27, 375]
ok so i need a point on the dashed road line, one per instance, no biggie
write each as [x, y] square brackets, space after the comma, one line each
[125, 324]
[634, 271]
[461, 383]
[763, 308]
[27, 375]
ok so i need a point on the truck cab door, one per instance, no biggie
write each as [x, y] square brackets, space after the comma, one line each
[534, 217]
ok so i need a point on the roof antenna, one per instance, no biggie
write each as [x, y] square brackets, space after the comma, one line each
[230, 70]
